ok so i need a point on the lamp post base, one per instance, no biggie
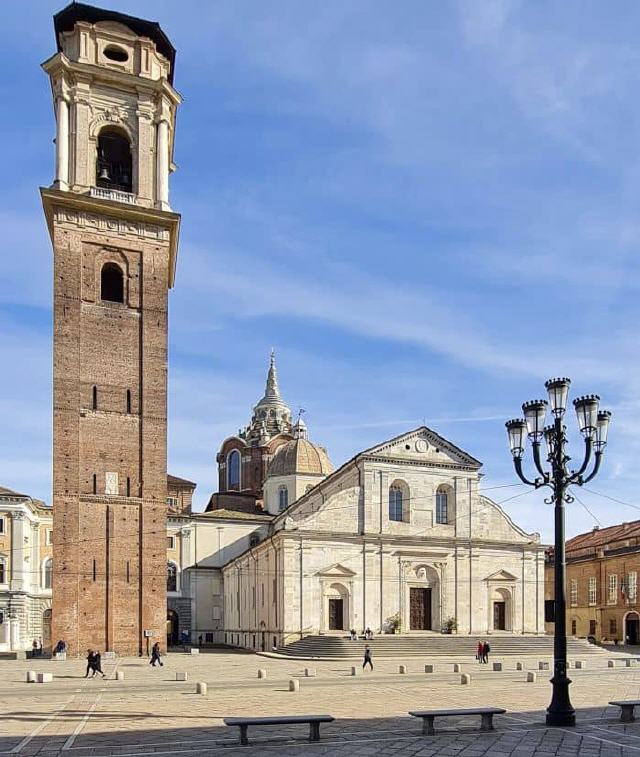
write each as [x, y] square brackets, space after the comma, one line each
[560, 712]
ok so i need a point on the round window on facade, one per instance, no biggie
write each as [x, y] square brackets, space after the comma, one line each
[115, 53]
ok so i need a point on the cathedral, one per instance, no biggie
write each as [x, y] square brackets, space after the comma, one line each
[397, 539]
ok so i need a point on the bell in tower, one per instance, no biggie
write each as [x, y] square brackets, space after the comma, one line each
[114, 239]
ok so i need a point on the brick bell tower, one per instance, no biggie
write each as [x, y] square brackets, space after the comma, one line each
[115, 242]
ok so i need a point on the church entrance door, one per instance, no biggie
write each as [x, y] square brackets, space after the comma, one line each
[499, 616]
[335, 614]
[419, 609]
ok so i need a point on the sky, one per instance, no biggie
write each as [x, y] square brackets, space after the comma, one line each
[427, 209]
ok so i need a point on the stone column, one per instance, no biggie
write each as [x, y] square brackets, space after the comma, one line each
[14, 633]
[162, 164]
[19, 550]
[62, 144]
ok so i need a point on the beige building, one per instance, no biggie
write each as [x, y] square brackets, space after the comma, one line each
[399, 536]
[26, 542]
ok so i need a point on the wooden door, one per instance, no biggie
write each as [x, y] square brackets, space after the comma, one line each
[499, 616]
[335, 615]
[419, 609]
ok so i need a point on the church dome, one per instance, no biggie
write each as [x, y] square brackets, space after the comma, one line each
[300, 456]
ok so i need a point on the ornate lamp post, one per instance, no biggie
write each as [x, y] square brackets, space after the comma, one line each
[593, 425]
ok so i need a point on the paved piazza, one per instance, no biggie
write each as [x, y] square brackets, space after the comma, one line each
[150, 713]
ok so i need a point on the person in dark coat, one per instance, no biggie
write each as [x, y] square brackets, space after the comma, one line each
[485, 652]
[367, 657]
[155, 655]
[97, 664]
[91, 661]
[480, 651]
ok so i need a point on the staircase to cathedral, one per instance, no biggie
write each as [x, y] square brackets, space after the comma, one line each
[437, 645]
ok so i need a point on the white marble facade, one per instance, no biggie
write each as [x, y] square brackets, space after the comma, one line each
[365, 549]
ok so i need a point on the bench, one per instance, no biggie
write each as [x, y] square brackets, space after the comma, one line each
[627, 709]
[428, 716]
[313, 720]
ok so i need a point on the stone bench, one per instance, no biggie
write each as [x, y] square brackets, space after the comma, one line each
[313, 720]
[428, 716]
[627, 709]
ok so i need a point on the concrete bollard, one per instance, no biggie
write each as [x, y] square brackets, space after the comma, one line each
[627, 663]
[611, 663]
[309, 672]
[294, 684]
[465, 678]
[402, 669]
[119, 675]
[579, 664]
[194, 650]
[201, 688]
[457, 668]
[497, 666]
[519, 666]
[262, 673]
[31, 676]
[354, 671]
[181, 676]
[531, 677]
[428, 668]
[44, 677]
[542, 665]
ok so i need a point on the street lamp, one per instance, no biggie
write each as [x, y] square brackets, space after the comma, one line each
[593, 424]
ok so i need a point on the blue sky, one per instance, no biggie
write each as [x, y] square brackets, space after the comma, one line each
[426, 208]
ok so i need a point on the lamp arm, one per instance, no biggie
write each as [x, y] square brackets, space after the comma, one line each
[517, 461]
[595, 470]
[588, 448]
[537, 461]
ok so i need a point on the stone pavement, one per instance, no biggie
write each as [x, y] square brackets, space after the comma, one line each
[149, 713]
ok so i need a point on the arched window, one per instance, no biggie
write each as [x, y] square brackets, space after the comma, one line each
[47, 573]
[283, 498]
[172, 576]
[395, 503]
[442, 506]
[111, 283]
[3, 570]
[113, 165]
[233, 470]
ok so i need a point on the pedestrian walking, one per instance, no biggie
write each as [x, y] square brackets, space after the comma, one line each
[485, 652]
[34, 648]
[97, 664]
[40, 647]
[155, 655]
[480, 652]
[367, 657]
[91, 661]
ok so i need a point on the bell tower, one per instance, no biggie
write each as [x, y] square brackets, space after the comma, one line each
[115, 241]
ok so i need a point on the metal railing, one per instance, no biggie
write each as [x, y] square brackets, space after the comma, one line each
[116, 195]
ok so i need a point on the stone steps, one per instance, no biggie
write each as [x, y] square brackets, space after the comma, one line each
[431, 646]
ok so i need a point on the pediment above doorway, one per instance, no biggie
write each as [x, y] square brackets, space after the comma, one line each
[336, 571]
[501, 575]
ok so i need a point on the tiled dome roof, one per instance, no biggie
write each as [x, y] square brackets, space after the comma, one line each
[300, 456]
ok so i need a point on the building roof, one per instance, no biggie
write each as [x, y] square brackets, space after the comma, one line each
[66, 19]
[11, 493]
[260, 517]
[177, 481]
[600, 537]
[300, 456]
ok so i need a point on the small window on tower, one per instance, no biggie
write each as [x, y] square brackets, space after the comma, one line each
[111, 283]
